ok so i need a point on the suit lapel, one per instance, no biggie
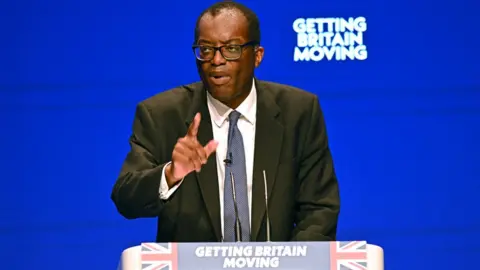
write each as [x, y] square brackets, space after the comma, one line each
[207, 177]
[268, 143]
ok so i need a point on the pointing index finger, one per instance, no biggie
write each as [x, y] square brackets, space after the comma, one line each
[193, 128]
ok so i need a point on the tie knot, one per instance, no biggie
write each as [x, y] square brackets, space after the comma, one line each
[233, 117]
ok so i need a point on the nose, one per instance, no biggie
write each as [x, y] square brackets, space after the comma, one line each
[218, 58]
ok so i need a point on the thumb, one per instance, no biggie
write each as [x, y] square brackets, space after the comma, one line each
[210, 147]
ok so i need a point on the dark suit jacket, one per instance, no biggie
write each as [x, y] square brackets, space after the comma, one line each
[290, 145]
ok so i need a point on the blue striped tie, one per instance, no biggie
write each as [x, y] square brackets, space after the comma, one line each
[236, 155]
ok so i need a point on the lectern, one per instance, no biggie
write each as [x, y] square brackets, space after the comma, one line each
[340, 255]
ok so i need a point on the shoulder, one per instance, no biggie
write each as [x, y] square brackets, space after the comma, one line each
[169, 106]
[287, 95]
[173, 98]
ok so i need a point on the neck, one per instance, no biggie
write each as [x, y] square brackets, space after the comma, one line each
[236, 101]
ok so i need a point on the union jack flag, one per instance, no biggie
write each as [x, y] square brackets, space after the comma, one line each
[350, 255]
[159, 256]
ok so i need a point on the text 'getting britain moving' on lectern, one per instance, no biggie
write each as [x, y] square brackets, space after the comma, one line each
[341, 255]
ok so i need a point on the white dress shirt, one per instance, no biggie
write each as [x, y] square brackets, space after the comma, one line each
[219, 115]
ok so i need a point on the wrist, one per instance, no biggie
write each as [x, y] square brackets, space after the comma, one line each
[171, 180]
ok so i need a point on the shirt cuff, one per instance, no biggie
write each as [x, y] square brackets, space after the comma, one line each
[164, 191]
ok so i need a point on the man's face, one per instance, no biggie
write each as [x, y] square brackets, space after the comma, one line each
[228, 81]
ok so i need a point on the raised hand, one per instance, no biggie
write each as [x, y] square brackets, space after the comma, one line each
[188, 154]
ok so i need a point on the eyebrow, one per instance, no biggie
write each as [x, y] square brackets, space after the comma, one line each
[201, 40]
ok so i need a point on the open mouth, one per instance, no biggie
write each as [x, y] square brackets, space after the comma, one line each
[220, 79]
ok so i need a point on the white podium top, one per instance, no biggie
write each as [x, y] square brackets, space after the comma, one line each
[323, 252]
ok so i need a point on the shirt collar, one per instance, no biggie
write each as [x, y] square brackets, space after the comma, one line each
[248, 108]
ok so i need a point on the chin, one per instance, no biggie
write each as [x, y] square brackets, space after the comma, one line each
[222, 93]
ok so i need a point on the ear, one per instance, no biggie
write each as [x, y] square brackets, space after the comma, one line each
[259, 51]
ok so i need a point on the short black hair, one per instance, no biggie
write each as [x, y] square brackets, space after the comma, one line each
[252, 19]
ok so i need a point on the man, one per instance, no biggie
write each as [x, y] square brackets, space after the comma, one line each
[195, 146]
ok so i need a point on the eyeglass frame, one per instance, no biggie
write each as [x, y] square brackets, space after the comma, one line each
[219, 48]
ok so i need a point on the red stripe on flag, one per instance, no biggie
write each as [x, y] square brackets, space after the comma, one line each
[171, 257]
[336, 255]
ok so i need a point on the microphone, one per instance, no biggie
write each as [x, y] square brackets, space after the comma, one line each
[266, 206]
[228, 161]
[238, 228]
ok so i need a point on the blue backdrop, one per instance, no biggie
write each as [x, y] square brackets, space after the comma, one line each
[403, 124]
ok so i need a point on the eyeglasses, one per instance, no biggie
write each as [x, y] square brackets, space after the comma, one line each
[229, 52]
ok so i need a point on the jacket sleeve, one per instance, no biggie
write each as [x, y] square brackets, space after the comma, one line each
[136, 192]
